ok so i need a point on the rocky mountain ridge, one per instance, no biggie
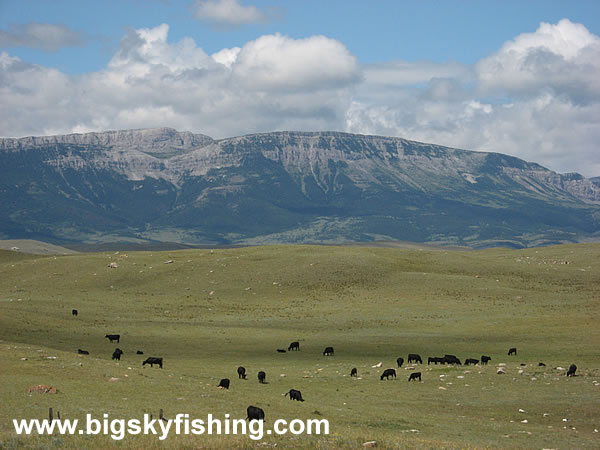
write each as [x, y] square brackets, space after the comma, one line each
[284, 187]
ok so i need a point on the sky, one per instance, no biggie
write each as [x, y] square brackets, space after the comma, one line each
[509, 76]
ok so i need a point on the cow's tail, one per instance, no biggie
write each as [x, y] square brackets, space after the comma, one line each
[286, 393]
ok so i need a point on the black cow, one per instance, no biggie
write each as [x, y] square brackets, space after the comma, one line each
[83, 352]
[139, 352]
[452, 359]
[541, 364]
[512, 351]
[328, 351]
[74, 312]
[484, 360]
[413, 357]
[571, 371]
[280, 350]
[414, 376]
[435, 359]
[295, 395]
[113, 337]
[152, 361]
[400, 361]
[255, 413]
[261, 377]
[354, 372]
[387, 373]
[241, 372]
[470, 361]
[224, 383]
[294, 346]
[117, 354]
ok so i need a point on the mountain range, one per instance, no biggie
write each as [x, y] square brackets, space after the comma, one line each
[283, 187]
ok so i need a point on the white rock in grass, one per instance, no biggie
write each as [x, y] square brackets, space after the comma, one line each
[524, 421]
[521, 410]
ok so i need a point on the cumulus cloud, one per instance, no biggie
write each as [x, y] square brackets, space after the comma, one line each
[274, 82]
[537, 97]
[43, 36]
[229, 12]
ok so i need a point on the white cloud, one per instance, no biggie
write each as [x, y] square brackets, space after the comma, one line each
[228, 12]
[42, 36]
[537, 97]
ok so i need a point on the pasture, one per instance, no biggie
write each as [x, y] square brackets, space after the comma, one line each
[206, 312]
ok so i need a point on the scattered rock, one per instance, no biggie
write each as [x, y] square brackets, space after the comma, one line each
[370, 444]
[500, 371]
[43, 389]
[113, 265]
[169, 261]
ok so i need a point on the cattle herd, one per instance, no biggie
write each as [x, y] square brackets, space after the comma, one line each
[256, 413]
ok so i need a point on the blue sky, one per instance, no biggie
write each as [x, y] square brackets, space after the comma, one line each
[517, 77]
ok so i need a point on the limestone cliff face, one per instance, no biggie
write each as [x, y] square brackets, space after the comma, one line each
[278, 183]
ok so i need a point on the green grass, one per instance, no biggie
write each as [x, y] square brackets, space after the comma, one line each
[208, 312]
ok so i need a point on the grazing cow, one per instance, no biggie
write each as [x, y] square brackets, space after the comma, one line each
[485, 360]
[387, 373]
[470, 361]
[241, 372]
[83, 352]
[261, 377]
[354, 372]
[117, 354]
[452, 359]
[255, 413]
[295, 395]
[328, 351]
[280, 350]
[74, 312]
[541, 364]
[413, 357]
[294, 346]
[113, 337]
[224, 383]
[512, 351]
[571, 371]
[435, 359]
[414, 376]
[139, 352]
[153, 361]
[400, 361]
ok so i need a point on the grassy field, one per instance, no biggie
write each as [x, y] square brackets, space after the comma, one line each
[208, 311]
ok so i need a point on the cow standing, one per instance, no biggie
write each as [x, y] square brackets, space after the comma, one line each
[117, 354]
[152, 361]
[413, 357]
[328, 351]
[571, 371]
[400, 361]
[223, 384]
[241, 372]
[294, 346]
[512, 351]
[354, 372]
[485, 360]
[255, 413]
[113, 337]
[261, 377]
[74, 312]
[294, 395]
[387, 373]
[414, 376]
[470, 361]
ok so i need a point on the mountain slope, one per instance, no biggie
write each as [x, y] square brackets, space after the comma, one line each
[283, 187]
